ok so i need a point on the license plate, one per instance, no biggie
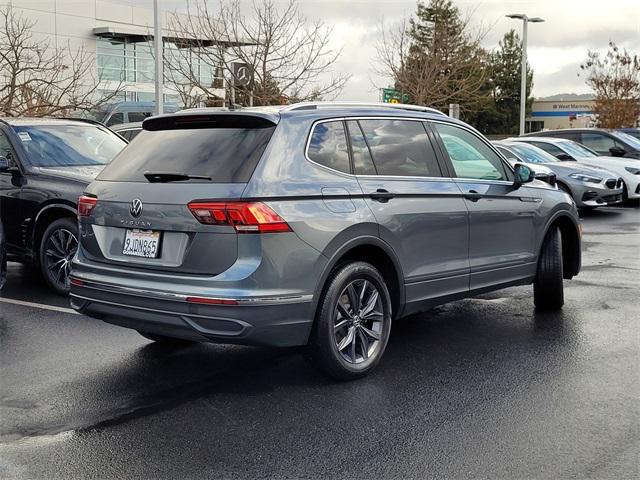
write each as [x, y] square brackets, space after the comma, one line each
[141, 243]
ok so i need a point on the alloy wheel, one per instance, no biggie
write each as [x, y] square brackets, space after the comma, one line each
[358, 321]
[60, 248]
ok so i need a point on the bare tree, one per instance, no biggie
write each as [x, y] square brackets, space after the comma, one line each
[615, 79]
[435, 58]
[289, 55]
[38, 79]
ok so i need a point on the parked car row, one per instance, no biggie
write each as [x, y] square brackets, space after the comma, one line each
[590, 187]
[606, 142]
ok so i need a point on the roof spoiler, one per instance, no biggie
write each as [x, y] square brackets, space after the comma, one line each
[205, 120]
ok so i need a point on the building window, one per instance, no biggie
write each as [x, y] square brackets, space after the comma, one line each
[120, 60]
[534, 126]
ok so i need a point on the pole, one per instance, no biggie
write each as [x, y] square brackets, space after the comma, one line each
[233, 91]
[157, 41]
[523, 80]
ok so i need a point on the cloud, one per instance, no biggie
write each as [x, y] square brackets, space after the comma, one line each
[555, 47]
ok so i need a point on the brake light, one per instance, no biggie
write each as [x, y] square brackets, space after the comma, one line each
[86, 205]
[245, 217]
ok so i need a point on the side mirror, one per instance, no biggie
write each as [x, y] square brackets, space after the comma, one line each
[4, 164]
[617, 151]
[523, 174]
[564, 157]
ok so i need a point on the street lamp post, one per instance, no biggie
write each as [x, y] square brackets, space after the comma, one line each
[523, 80]
[157, 43]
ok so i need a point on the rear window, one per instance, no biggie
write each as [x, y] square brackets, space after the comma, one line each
[69, 145]
[227, 155]
[328, 146]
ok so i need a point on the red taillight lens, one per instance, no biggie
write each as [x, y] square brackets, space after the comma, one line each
[245, 217]
[212, 301]
[86, 205]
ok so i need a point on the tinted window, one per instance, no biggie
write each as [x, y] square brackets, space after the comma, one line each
[115, 119]
[69, 145]
[568, 135]
[533, 154]
[138, 116]
[598, 142]
[134, 133]
[549, 148]
[328, 146]
[227, 155]
[576, 149]
[400, 147]
[362, 162]
[470, 156]
[6, 150]
[129, 134]
[507, 153]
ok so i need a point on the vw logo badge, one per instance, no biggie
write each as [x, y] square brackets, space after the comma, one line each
[135, 209]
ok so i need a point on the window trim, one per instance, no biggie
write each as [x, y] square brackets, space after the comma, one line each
[347, 141]
[20, 154]
[348, 132]
[344, 119]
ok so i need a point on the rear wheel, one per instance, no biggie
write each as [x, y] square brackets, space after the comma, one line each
[57, 248]
[353, 322]
[548, 289]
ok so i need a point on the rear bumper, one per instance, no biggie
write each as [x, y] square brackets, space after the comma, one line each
[272, 321]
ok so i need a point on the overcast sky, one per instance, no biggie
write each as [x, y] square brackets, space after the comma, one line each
[555, 48]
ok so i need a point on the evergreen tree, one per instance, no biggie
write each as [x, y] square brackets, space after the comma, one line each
[444, 63]
[506, 74]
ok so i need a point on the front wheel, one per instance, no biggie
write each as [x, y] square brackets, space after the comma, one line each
[548, 289]
[57, 248]
[353, 322]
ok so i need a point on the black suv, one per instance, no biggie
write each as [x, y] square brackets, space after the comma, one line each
[609, 143]
[45, 164]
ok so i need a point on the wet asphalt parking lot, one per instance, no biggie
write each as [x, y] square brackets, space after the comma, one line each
[480, 388]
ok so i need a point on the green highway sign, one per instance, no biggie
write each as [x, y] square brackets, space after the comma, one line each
[391, 95]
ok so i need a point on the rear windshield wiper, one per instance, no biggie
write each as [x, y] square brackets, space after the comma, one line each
[162, 177]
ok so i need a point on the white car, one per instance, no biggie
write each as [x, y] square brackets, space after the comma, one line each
[563, 149]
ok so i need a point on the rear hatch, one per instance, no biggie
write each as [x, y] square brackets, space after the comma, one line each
[165, 201]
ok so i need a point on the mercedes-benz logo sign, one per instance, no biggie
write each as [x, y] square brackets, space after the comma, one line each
[135, 209]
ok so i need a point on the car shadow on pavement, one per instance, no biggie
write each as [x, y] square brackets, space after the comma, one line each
[474, 341]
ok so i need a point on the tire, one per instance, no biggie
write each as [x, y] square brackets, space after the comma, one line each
[548, 290]
[3, 258]
[57, 247]
[169, 341]
[356, 346]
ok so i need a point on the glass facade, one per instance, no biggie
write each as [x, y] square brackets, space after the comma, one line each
[119, 60]
[133, 62]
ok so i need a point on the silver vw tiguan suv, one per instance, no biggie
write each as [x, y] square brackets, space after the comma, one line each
[312, 224]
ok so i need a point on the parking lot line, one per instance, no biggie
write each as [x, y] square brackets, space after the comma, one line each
[43, 306]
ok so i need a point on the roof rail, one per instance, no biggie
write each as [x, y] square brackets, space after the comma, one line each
[398, 106]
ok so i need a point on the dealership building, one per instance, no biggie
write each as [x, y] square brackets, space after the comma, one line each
[120, 35]
[554, 114]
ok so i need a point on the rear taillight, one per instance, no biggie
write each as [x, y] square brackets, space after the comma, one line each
[245, 217]
[86, 205]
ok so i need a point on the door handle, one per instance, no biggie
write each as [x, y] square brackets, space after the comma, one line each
[381, 195]
[473, 196]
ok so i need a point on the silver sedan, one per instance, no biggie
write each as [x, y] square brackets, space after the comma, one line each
[589, 186]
